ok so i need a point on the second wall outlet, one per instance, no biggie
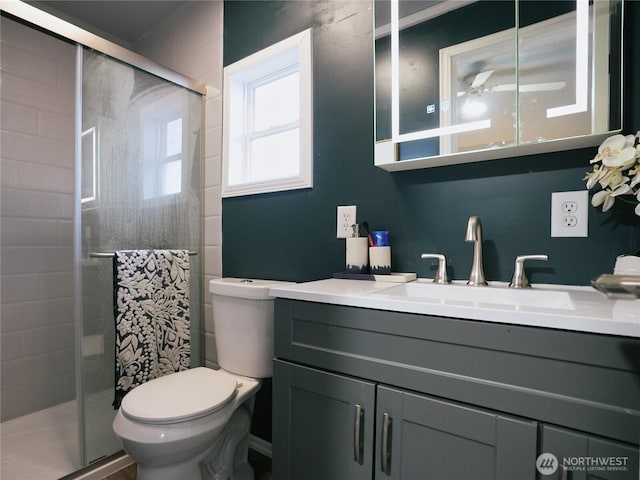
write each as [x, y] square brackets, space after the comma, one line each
[346, 220]
[570, 214]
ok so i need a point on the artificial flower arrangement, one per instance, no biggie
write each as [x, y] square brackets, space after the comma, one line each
[616, 168]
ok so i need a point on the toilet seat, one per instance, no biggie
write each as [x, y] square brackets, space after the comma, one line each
[180, 396]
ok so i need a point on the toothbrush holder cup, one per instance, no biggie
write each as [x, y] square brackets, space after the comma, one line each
[380, 260]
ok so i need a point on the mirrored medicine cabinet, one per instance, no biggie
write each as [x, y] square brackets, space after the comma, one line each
[467, 80]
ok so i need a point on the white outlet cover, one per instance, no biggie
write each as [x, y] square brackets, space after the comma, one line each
[570, 214]
[346, 217]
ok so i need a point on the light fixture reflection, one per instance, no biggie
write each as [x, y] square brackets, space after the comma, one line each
[395, 71]
[473, 106]
[582, 64]
[395, 95]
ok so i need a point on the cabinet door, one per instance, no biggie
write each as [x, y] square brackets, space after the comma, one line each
[322, 425]
[583, 457]
[424, 437]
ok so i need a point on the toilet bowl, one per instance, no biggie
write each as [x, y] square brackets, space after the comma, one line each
[170, 425]
[195, 424]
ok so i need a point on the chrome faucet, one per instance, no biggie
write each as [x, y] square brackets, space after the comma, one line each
[474, 234]
[441, 275]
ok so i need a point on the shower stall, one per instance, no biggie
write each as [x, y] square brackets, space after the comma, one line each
[98, 154]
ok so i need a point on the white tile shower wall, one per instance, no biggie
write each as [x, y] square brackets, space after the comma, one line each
[190, 42]
[36, 255]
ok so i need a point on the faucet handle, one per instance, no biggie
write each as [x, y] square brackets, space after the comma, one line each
[441, 274]
[519, 279]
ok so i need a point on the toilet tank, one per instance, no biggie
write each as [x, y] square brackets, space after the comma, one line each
[243, 323]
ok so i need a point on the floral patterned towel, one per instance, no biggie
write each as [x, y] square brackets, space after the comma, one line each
[151, 304]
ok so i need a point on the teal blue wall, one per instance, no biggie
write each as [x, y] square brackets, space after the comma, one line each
[291, 235]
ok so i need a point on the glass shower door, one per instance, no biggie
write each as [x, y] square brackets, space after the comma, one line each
[140, 189]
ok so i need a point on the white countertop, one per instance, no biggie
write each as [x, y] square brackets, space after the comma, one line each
[587, 310]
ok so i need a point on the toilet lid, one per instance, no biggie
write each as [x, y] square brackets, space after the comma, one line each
[180, 396]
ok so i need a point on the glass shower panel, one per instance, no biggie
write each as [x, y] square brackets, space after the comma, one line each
[141, 171]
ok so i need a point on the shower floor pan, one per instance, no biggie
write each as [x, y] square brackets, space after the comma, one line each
[40, 446]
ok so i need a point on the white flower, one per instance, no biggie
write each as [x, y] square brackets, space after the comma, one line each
[613, 179]
[617, 170]
[603, 197]
[617, 151]
[607, 197]
[594, 177]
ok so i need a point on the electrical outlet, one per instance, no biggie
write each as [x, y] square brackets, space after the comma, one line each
[569, 221]
[346, 218]
[570, 214]
[569, 206]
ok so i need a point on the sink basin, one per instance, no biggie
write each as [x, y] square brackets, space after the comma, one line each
[462, 294]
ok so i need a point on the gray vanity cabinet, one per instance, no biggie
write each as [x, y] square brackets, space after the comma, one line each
[447, 398]
[573, 449]
[324, 425]
[434, 439]
[327, 433]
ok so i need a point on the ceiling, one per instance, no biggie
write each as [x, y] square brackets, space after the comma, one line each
[117, 20]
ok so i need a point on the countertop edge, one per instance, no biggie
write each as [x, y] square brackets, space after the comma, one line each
[598, 316]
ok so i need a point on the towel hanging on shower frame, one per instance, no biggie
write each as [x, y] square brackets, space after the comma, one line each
[151, 306]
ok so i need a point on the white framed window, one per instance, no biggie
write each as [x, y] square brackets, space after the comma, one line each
[268, 114]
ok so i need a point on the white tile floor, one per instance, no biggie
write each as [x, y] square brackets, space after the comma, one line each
[40, 446]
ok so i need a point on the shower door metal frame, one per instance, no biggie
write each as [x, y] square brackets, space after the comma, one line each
[83, 37]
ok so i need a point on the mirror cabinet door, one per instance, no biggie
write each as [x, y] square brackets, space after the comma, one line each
[464, 80]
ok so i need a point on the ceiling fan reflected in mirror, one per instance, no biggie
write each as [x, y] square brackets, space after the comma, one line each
[478, 86]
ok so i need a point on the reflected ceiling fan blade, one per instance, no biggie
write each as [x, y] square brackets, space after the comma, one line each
[481, 78]
[532, 87]
[478, 83]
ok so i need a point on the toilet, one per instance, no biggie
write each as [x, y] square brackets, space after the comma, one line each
[195, 424]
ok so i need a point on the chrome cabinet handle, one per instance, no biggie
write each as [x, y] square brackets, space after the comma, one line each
[385, 454]
[358, 435]
[564, 472]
